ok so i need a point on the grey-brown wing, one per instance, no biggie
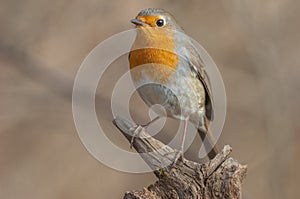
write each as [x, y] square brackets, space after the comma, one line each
[197, 65]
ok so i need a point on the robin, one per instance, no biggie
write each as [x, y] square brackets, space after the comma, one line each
[167, 69]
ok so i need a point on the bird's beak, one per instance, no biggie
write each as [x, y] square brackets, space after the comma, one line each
[138, 22]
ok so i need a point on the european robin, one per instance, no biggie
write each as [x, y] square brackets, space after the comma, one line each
[167, 69]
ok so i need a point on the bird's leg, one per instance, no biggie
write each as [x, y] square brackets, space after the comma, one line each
[138, 128]
[152, 121]
[180, 153]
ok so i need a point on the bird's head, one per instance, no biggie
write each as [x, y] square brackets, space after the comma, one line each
[155, 18]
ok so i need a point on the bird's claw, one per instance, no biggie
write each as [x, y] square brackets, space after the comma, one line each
[136, 131]
[178, 156]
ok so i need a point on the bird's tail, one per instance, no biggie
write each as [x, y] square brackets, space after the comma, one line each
[208, 141]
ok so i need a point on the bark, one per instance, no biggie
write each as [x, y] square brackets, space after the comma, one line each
[221, 177]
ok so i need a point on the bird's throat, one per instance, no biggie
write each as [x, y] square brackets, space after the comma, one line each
[153, 54]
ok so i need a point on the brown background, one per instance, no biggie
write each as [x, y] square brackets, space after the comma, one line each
[42, 44]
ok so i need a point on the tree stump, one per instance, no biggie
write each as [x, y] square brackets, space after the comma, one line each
[221, 177]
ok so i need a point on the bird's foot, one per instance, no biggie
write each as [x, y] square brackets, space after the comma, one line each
[136, 131]
[176, 156]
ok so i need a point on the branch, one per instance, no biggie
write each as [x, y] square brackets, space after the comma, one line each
[221, 177]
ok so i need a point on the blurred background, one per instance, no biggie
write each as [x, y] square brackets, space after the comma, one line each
[42, 44]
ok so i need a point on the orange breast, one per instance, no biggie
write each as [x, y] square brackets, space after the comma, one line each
[153, 57]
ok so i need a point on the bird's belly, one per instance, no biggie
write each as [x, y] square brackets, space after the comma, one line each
[154, 94]
[181, 96]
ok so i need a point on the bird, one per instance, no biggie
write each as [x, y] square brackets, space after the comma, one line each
[167, 69]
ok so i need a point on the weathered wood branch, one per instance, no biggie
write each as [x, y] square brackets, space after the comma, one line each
[221, 177]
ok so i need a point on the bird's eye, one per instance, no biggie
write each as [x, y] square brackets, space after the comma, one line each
[160, 22]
